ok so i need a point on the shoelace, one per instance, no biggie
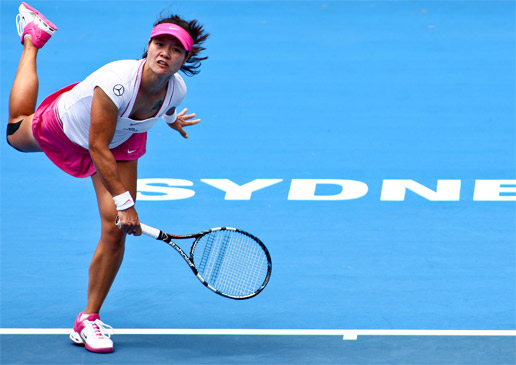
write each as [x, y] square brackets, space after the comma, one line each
[101, 329]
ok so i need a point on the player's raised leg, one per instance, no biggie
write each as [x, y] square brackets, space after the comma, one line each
[35, 30]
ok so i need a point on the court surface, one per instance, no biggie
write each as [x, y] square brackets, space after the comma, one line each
[369, 144]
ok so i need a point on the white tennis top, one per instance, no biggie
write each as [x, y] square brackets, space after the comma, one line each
[120, 81]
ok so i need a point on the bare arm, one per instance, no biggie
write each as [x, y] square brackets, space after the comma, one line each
[104, 115]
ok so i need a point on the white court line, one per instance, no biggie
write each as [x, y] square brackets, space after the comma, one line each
[346, 334]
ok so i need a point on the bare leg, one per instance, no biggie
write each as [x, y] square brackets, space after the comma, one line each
[110, 250]
[22, 100]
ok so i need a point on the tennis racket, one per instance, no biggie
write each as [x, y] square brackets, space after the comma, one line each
[228, 261]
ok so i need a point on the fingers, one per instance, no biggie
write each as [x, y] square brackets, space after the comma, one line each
[183, 114]
[179, 127]
[128, 222]
[182, 132]
[184, 120]
[184, 117]
[188, 123]
[137, 231]
[131, 229]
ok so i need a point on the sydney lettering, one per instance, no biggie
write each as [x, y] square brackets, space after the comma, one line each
[157, 189]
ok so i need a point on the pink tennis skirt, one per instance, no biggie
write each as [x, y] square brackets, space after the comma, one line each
[73, 159]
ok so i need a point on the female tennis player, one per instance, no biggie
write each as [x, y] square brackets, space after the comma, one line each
[97, 128]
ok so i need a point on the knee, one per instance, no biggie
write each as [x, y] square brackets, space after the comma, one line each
[113, 236]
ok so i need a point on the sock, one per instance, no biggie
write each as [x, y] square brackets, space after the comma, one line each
[85, 316]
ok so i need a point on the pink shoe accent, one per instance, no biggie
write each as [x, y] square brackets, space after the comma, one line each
[39, 37]
[40, 15]
[78, 326]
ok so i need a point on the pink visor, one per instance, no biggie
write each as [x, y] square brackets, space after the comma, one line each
[175, 31]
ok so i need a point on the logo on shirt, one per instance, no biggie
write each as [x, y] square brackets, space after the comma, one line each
[118, 90]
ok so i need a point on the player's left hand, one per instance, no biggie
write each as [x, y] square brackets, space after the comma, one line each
[184, 120]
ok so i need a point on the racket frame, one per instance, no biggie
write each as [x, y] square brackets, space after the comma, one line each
[167, 238]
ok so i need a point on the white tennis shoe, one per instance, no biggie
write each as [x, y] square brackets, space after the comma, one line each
[90, 331]
[31, 23]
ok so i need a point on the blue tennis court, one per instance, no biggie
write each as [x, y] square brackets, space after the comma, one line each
[371, 145]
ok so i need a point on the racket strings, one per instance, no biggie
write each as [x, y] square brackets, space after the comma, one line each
[253, 270]
[231, 262]
[220, 257]
[206, 253]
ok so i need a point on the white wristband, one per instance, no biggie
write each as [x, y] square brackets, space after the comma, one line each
[170, 119]
[123, 201]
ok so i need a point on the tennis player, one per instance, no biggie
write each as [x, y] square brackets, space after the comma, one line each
[97, 128]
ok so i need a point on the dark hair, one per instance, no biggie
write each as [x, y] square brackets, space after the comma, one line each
[196, 31]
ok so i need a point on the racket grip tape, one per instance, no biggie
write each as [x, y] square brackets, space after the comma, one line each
[150, 231]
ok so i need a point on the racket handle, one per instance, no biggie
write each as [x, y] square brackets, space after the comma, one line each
[150, 231]
[146, 230]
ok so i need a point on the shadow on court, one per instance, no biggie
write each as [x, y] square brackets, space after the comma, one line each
[229, 349]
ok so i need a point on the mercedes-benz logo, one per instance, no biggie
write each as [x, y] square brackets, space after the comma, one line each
[118, 90]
